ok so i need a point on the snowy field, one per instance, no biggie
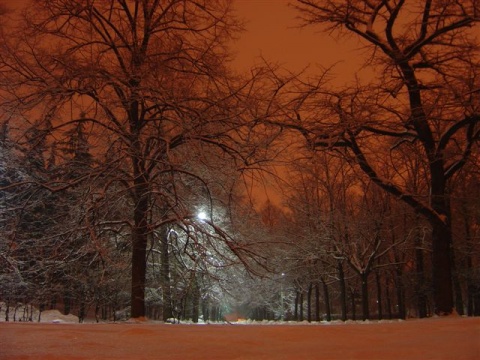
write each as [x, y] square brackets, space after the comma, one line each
[435, 338]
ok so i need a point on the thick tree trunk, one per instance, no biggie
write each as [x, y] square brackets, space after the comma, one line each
[439, 215]
[139, 252]
[317, 303]
[442, 269]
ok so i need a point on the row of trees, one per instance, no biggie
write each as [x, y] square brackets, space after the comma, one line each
[422, 106]
[122, 121]
[353, 251]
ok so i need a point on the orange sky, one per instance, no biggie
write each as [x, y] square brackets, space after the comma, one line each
[272, 32]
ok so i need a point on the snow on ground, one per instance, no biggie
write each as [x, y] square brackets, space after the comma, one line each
[24, 313]
[435, 338]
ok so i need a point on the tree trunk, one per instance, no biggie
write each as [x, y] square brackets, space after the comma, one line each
[389, 302]
[167, 312]
[301, 306]
[214, 313]
[442, 270]
[353, 293]
[365, 305]
[97, 306]
[439, 217]
[67, 303]
[326, 295]
[297, 299]
[420, 272]
[343, 290]
[379, 295]
[139, 249]
[82, 311]
[7, 311]
[400, 292]
[317, 303]
[457, 286]
[205, 309]
[195, 299]
[421, 286]
[473, 290]
[309, 303]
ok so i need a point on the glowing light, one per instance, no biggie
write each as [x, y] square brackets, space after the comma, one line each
[202, 215]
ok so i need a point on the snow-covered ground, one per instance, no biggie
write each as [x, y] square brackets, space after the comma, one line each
[435, 338]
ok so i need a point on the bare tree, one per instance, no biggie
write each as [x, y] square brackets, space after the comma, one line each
[424, 100]
[148, 79]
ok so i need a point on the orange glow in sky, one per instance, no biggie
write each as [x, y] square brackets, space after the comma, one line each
[272, 32]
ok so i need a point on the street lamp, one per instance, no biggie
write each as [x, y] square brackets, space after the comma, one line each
[202, 215]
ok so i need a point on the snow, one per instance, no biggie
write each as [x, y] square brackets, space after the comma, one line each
[55, 316]
[451, 337]
[23, 313]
